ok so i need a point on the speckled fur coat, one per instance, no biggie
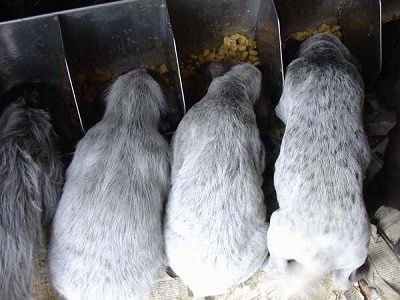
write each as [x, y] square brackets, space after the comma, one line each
[321, 224]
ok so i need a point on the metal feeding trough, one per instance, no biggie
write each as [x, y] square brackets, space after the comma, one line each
[390, 10]
[358, 22]
[203, 24]
[104, 41]
[31, 50]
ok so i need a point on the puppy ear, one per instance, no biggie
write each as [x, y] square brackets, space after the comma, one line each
[216, 69]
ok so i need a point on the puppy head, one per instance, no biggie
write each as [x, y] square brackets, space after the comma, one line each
[249, 77]
[320, 50]
[330, 38]
[318, 42]
[136, 95]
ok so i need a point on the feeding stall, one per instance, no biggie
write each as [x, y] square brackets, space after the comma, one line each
[31, 50]
[357, 23]
[215, 30]
[104, 41]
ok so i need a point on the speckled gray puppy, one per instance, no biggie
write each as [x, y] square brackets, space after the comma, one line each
[31, 177]
[215, 228]
[321, 225]
[107, 238]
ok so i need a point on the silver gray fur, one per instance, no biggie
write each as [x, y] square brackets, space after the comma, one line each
[107, 238]
[31, 178]
[215, 227]
[322, 224]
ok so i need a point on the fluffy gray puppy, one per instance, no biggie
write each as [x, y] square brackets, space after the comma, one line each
[31, 178]
[107, 238]
[321, 225]
[215, 227]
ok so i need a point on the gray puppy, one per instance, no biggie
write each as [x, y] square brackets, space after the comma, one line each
[107, 238]
[321, 225]
[31, 178]
[215, 227]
